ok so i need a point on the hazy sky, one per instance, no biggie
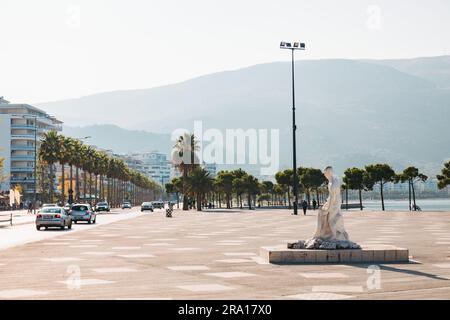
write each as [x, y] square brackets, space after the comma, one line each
[56, 49]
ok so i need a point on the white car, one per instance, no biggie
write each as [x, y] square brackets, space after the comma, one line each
[146, 206]
[126, 205]
[49, 205]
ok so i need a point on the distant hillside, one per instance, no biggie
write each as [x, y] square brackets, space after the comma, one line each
[121, 140]
[350, 113]
[434, 69]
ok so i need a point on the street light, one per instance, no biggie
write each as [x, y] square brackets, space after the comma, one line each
[294, 46]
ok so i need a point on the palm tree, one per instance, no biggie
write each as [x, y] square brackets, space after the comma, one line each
[198, 184]
[49, 153]
[77, 161]
[178, 188]
[64, 155]
[184, 158]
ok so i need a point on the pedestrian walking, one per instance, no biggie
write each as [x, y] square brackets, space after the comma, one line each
[305, 207]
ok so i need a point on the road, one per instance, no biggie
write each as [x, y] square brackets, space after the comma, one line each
[24, 230]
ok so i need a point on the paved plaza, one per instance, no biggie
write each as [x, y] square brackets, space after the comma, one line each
[215, 255]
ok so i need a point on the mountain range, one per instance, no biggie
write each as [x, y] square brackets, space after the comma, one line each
[349, 112]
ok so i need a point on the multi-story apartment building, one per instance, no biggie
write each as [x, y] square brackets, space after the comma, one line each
[21, 125]
[154, 165]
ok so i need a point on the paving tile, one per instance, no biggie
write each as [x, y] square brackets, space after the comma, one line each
[324, 275]
[98, 253]
[206, 288]
[239, 254]
[136, 256]
[86, 246]
[338, 289]
[236, 261]
[319, 296]
[188, 268]
[231, 275]
[21, 293]
[62, 259]
[86, 282]
[114, 270]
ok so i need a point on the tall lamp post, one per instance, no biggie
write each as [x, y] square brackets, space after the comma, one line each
[294, 46]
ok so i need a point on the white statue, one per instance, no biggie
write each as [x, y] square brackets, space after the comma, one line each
[330, 233]
[330, 224]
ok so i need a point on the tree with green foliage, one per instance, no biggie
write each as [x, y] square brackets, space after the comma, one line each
[49, 153]
[198, 184]
[379, 174]
[185, 159]
[444, 177]
[311, 180]
[354, 179]
[224, 182]
[267, 188]
[411, 175]
[285, 178]
[251, 186]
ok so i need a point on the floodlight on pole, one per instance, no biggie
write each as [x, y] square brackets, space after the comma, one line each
[294, 46]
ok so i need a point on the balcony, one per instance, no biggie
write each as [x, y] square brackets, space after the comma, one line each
[23, 137]
[22, 169]
[22, 148]
[25, 127]
[21, 180]
[22, 158]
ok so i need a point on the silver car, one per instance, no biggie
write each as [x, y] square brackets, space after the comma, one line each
[146, 206]
[53, 217]
[83, 212]
[126, 205]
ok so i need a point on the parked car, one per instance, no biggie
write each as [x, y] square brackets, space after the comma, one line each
[53, 217]
[126, 205]
[158, 204]
[83, 212]
[102, 206]
[146, 206]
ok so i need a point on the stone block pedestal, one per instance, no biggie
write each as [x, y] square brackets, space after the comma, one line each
[370, 254]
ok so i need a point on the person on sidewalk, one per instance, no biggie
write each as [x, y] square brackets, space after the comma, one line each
[314, 204]
[305, 207]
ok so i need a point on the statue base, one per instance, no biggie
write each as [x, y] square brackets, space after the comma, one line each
[365, 255]
[320, 244]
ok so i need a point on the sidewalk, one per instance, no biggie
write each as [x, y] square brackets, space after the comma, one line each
[20, 217]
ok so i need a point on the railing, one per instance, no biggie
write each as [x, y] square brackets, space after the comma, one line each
[22, 169]
[24, 158]
[7, 218]
[23, 136]
[22, 148]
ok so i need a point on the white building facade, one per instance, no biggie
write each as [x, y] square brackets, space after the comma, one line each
[20, 126]
[154, 165]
